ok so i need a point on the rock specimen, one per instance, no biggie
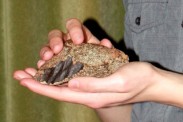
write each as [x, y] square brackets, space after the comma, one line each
[80, 60]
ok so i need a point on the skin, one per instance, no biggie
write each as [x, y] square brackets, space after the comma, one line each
[133, 82]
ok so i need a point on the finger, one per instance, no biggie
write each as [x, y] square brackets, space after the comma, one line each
[20, 74]
[66, 37]
[113, 83]
[94, 100]
[31, 71]
[56, 40]
[55, 92]
[75, 30]
[40, 63]
[106, 43]
[90, 38]
[46, 53]
[46, 90]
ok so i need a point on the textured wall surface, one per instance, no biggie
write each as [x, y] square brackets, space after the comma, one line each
[24, 25]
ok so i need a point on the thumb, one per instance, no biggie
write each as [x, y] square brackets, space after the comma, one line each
[92, 84]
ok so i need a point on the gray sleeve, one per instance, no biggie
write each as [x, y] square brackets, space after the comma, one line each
[154, 30]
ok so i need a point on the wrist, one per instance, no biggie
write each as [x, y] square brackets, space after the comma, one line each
[167, 88]
[115, 113]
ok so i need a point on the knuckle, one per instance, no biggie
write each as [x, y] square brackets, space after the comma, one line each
[54, 33]
[72, 22]
[55, 40]
[119, 82]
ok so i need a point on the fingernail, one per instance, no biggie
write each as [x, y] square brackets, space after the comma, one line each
[40, 63]
[74, 84]
[18, 76]
[44, 54]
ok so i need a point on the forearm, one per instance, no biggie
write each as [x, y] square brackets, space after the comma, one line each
[115, 114]
[165, 87]
[168, 88]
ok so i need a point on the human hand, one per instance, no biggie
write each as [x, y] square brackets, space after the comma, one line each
[76, 31]
[131, 83]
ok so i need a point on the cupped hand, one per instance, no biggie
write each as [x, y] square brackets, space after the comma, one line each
[131, 83]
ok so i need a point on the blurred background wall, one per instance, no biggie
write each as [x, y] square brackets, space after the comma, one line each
[24, 25]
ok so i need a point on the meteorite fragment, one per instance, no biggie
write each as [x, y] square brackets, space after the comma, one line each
[85, 59]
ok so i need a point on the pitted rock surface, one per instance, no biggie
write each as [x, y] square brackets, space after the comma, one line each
[80, 61]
